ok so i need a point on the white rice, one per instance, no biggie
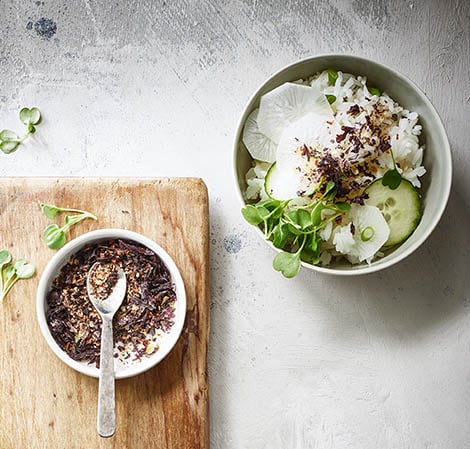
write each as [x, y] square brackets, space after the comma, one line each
[399, 123]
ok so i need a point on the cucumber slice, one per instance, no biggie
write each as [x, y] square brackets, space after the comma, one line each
[401, 208]
[281, 184]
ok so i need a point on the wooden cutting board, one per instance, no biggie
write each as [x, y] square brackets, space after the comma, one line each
[46, 404]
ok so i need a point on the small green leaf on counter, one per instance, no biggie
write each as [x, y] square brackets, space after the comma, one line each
[9, 140]
[30, 116]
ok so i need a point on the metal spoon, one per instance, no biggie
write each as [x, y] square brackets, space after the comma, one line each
[107, 308]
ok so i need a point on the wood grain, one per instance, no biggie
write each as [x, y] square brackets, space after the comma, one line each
[44, 403]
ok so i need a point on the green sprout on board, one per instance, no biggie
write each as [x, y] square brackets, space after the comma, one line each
[11, 272]
[54, 235]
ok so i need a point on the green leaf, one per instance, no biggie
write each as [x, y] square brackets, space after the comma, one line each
[49, 210]
[287, 263]
[330, 185]
[251, 215]
[262, 212]
[374, 91]
[342, 206]
[54, 237]
[392, 179]
[301, 217]
[316, 213]
[30, 116]
[294, 229]
[332, 76]
[7, 135]
[331, 98]
[281, 235]
[24, 270]
[9, 146]
[8, 273]
[269, 204]
[5, 257]
[311, 251]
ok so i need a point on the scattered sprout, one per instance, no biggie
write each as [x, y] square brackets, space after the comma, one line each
[9, 140]
[55, 236]
[10, 272]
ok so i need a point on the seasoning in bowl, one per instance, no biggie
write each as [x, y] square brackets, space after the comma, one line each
[146, 314]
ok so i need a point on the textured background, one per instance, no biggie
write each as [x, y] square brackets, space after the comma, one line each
[155, 88]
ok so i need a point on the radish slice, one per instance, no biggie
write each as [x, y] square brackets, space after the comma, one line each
[287, 104]
[371, 231]
[302, 132]
[258, 145]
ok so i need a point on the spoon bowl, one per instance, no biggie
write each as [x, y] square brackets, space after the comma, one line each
[106, 305]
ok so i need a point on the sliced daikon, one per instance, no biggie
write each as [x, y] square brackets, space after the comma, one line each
[288, 103]
[303, 132]
[364, 235]
[258, 145]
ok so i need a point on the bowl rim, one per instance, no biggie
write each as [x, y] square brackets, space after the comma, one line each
[447, 181]
[58, 260]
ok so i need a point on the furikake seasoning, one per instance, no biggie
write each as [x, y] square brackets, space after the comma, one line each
[148, 310]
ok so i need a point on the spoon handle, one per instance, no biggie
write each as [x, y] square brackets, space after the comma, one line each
[106, 404]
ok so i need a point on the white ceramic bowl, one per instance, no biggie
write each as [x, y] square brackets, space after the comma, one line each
[437, 157]
[60, 259]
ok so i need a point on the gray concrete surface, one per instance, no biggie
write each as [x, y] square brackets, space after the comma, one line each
[155, 88]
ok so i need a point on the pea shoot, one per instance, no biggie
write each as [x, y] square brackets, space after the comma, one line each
[9, 140]
[11, 272]
[295, 230]
[392, 178]
[54, 235]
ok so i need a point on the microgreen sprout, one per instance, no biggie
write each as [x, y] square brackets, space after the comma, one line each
[11, 272]
[9, 140]
[392, 178]
[295, 230]
[55, 236]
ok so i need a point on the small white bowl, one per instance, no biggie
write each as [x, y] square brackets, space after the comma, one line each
[61, 258]
[437, 157]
